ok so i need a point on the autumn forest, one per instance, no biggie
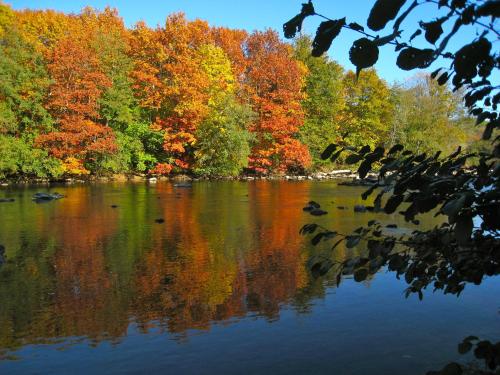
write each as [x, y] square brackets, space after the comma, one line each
[80, 94]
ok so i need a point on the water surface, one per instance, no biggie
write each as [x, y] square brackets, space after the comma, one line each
[220, 287]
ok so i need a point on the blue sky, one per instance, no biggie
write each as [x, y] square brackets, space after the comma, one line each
[253, 15]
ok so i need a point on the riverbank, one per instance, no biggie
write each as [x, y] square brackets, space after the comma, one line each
[343, 174]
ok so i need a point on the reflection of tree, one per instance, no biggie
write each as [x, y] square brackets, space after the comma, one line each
[65, 290]
[83, 287]
[225, 249]
[182, 280]
[275, 268]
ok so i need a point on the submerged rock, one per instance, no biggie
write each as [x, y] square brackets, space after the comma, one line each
[311, 206]
[160, 221]
[183, 185]
[360, 208]
[5, 200]
[181, 177]
[46, 197]
[2, 255]
[359, 182]
[318, 212]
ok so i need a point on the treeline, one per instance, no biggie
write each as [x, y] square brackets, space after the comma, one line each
[81, 94]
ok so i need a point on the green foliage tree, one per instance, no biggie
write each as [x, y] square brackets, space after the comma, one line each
[23, 86]
[324, 103]
[429, 117]
[118, 106]
[223, 140]
[20, 158]
[368, 109]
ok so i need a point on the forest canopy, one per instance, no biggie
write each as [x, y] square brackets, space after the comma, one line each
[80, 94]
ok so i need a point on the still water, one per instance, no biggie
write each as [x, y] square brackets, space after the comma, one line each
[220, 287]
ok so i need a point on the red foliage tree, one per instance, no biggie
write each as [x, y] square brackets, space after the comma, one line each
[73, 102]
[273, 83]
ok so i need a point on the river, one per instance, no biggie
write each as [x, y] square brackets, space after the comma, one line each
[151, 278]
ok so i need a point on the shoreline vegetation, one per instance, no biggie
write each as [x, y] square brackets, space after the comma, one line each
[348, 177]
[82, 95]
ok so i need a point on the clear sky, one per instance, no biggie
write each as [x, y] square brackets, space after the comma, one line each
[251, 15]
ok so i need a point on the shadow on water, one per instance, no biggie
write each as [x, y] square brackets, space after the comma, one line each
[220, 285]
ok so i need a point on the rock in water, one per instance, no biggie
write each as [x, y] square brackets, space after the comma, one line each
[183, 185]
[2, 254]
[359, 208]
[46, 197]
[5, 200]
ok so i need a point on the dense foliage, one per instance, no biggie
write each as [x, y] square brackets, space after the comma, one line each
[417, 179]
[81, 94]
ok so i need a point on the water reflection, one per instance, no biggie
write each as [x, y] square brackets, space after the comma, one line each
[79, 268]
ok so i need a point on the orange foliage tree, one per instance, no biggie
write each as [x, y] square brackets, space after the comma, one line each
[73, 102]
[44, 28]
[169, 82]
[233, 42]
[274, 80]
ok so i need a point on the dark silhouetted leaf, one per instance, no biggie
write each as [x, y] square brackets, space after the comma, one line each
[364, 168]
[453, 207]
[294, 26]
[488, 131]
[464, 347]
[363, 54]
[433, 30]
[458, 4]
[393, 202]
[451, 369]
[308, 8]
[456, 153]
[463, 229]
[326, 33]
[395, 148]
[490, 8]
[412, 58]
[336, 155]
[467, 59]
[353, 159]
[360, 275]
[415, 34]
[435, 73]
[368, 192]
[443, 78]
[308, 229]
[364, 150]
[317, 238]
[356, 27]
[328, 151]
[352, 241]
[382, 12]
[337, 243]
